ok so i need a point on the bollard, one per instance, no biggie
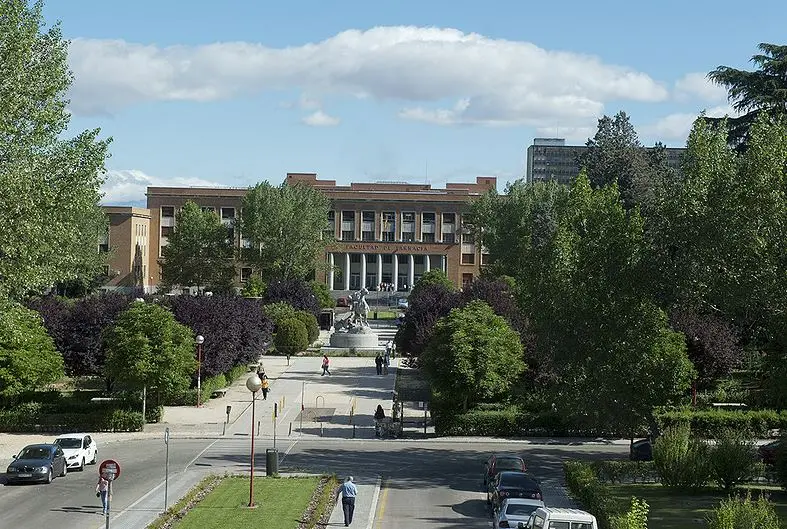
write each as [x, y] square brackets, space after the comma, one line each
[290, 432]
[320, 428]
[353, 431]
[258, 428]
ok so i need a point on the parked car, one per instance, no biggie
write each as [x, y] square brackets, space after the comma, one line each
[343, 302]
[499, 462]
[553, 518]
[80, 449]
[641, 450]
[402, 303]
[514, 512]
[510, 484]
[39, 462]
[768, 452]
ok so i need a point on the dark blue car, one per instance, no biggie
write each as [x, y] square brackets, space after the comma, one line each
[40, 462]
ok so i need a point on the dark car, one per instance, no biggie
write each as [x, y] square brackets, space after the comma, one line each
[510, 484]
[500, 462]
[343, 302]
[768, 452]
[641, 450]
[40, 462]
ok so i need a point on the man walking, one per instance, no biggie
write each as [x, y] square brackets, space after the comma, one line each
[348, 492]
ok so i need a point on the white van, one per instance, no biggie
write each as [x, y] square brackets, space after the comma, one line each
[553, 518]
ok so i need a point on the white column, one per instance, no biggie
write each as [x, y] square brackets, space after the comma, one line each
[379, 268]
[427, 263]
[347, 271]
[330, 271]
[442, 263]
[363, 270]
[395, 271]
[410, 271]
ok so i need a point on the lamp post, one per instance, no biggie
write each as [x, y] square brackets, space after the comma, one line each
[199, 340]
[253, 384]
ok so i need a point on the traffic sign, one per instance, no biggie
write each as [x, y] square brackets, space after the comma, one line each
[166, 436]
[109, 469]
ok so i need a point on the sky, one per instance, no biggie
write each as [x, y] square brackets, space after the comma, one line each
[237, 92]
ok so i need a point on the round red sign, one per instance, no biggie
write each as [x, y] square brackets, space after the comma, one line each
[109, 469]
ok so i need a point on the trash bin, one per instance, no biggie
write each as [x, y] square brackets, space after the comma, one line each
[271, 462]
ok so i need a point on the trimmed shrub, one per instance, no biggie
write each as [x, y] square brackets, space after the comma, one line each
[587, 489]
[635, 518]
[732, 459]
[736, 512]
[710, 424]
[310, 322]
[104, 419]
[278, 312]
[291, 337]
[621, 471]
[681, 461]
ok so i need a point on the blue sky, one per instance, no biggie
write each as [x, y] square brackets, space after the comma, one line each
[233, 93]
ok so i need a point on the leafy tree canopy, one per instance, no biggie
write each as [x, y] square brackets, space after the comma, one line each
[323, 294]
[291, 336]
[432, 277]
[50, 183]
[296, 292]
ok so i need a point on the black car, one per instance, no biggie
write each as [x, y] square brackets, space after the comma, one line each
[40, 462]
[511, 484]
[641, 450]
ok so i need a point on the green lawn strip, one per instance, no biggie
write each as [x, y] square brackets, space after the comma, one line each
[383, 315]
[180, 508]
[683, 510]
[281, 503]
[323, 501]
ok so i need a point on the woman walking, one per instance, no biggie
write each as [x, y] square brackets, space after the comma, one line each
[325, 364]
[102, 491]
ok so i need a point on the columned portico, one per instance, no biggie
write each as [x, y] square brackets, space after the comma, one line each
[346, 271]
[379, 268]
[363, 270]
[395, 275]
[331, 265]
[427, 264]
[410, 271]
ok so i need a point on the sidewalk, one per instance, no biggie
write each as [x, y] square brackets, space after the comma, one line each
[365, 504]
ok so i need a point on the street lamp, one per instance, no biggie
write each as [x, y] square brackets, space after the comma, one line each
[253, 383]
[199, 340]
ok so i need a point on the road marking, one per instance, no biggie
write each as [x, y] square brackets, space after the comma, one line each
[287, 452]
[200, 454]
[373, 515]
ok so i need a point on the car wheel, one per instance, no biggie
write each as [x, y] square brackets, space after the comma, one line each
[82, 466]
[95, 457]
[49, 476]
[65, 469]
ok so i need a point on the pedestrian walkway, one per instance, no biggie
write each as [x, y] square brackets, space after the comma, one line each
[365, 504]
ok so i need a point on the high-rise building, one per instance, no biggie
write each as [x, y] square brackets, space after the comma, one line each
[552, 159]
[126, 243]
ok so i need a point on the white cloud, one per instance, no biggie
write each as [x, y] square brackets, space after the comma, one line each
[320, 119]
[677, 126]
[495, 81]
[696, 86]
[130, 185]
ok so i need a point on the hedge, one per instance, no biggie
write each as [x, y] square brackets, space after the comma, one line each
[188, 397]
[511, 422]
[102, 420]
[709, 424]
[585, 486]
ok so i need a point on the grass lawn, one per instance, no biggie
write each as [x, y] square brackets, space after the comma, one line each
[677, 510]
[383, 315]
[280, 504]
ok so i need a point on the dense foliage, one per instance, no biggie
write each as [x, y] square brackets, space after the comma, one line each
[296, 292]
[291, 336]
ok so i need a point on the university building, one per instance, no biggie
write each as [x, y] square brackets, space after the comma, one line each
[383, 233]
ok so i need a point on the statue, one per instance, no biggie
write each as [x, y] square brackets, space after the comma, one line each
[353, 332]
[359, 308]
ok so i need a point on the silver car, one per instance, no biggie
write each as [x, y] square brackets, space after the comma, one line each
[514, 512]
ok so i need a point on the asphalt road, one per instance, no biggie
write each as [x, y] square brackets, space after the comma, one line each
[425, 484]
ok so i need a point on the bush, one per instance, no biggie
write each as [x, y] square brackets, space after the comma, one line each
[681, 461]
[635, 518]
[297, 293]
[323, 294]
[781, 464]
[621, 471]
[710, 424]
[254, 288]
[736, 512]
[291, 337]
[103, 419]
[588, 490]
[732, 459]
[278, 312]
[310, 322]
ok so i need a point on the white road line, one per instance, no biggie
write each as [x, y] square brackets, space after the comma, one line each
[375, 497]
[200, 454]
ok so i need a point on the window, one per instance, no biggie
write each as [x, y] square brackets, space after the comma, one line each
[428, 237]
[245, 274]
[348, 235]
[466, 280]
[227, 213]
[355, 258]
[468, 237]
[388, 236]
[449, 238]
[367, 225]
[449, 218]
[468, 258]
[388, 228]
[387, 259]
[166, 231]
[330, 231]
[418, 259]
[408, 226]
[348, 225]
[168, 211]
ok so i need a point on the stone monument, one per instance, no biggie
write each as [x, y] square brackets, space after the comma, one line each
[353, 331]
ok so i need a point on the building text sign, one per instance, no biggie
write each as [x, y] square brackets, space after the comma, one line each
[386, 248]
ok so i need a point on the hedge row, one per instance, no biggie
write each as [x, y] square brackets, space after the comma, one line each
[583, 483]
[188, 397]
[709, 424]
[103, 420]
[511, 422]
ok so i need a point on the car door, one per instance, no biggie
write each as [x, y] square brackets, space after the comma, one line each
[59, 463]
[90, 448]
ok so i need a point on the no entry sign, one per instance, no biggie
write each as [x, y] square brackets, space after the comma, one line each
[109, 469]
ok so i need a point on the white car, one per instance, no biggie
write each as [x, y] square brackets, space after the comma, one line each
[80, 449]
[552, 518]
[514, 512]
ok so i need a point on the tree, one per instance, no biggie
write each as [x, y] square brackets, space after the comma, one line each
[635, 518]
[50, 185]
[753, 93]
[711, 342]
[498, 294]
[473, 356]
[147, 348]
[291, 337]
[426, 307]
[235, 329]
[278, 311]
[432, 277]
[310, 322]
[199, 252]
[296, 292]
[323, 294]
[28, 358]
[285, 226]
[254, 288]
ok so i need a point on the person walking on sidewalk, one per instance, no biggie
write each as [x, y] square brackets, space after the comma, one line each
[378, 362]
[325, 364]
[348, 492]
[266, 385]
[386, 362]
[102, 491]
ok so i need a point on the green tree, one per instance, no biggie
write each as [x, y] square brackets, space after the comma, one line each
[148, 348]
[28, 358]
[199, 252]
[732, 459]
[278, 311]
[310, 322]
[635, 518]
[291, 337]
[323, 294]
[51, 219]
[753, 93]
[739, 511]
[432, 277]
[473, 356]
[254, 288]
[285, 226]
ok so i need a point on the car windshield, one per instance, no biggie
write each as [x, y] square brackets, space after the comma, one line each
[520, 510]
[69, 442]
[34, 452]
[509, 463]
[517, 480]
[570, 525]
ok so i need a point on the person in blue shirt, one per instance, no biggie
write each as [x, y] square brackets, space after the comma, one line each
[348, 492]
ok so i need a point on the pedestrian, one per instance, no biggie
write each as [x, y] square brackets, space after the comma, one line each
[379, 415]
[378, 362]
[265, 385]
[393, 349]
[386, 361]
[102, 491]
[348, 492]
[325, 364]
